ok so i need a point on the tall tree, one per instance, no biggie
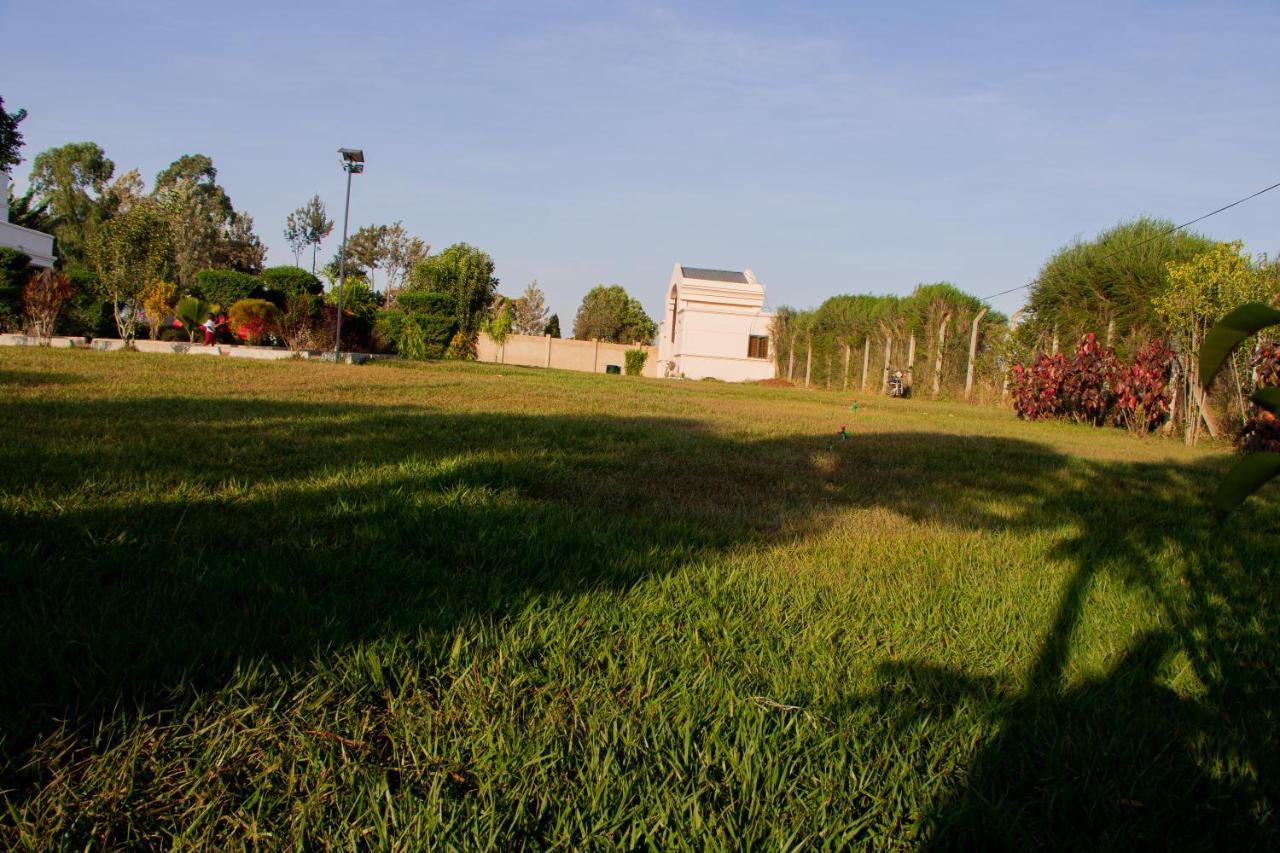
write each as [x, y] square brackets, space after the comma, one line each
[129, 252]
[1108, 285]
[530, 308]
[70, 181]
[10, 138]
[207, 229]
[197, 171]
[368, 247]
[464, 274]
[1200, 291]
[195, 224]
[239, 247]
[402, 254]
[295, 235]
[553, 326]
[308, 226]
[610, 314]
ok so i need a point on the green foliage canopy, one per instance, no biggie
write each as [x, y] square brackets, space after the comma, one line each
[10, 137]
[226, 287]
[1114, 278]
[609, 313]
[465, 275]
[129, 252]
[70, 180]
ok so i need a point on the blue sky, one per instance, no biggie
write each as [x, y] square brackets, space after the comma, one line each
[832, 147]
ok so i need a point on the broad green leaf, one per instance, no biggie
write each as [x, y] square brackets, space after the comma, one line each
[1268, 398]
[1246, 477]
[1227, 334]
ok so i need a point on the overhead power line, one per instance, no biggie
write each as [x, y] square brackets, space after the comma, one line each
[1159, 236]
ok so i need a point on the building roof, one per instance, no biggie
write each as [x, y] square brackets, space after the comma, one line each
[713, 275]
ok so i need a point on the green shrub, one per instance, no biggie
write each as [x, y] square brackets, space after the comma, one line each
[358, 299]
[412, 343]
[432, 312]
[386, 328]
[419, 302]
[227, 287]
[253, 320]
[635, 361]
[15, 268]
[298, 322]
[86, 313]
[282, 282]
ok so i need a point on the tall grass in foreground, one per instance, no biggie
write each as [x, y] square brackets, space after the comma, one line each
[305, 604]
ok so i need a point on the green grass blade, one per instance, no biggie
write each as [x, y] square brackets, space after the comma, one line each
[1227, 334]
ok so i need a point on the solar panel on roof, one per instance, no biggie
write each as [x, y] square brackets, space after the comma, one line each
[714, 275]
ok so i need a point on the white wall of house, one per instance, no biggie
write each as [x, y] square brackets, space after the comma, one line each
[35, 244]
[709, 318]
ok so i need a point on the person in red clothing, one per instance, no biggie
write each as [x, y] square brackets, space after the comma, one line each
[209, 327]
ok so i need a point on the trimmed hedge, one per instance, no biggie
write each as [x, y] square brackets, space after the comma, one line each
[283, 282]
[227, 287]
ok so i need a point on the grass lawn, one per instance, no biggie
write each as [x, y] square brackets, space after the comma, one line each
[465, 605]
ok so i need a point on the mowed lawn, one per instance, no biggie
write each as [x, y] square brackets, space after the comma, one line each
[461, 606]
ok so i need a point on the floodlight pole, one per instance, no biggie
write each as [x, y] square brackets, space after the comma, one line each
[342, 258]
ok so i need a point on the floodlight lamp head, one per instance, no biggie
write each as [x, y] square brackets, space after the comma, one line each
[351, 155]
[355, 168]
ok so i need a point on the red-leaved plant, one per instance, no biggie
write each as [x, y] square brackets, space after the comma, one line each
[1262, 431]
[1095, 387]
[1143, 395]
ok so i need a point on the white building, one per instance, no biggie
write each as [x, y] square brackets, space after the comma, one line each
[35, 244]
[715, 325]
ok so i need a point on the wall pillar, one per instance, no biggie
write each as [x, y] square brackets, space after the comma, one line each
[595, 355]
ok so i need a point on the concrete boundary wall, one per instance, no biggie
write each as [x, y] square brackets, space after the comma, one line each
[563, 354]
[180, 348]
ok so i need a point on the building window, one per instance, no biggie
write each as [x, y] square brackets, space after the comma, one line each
[758, 346]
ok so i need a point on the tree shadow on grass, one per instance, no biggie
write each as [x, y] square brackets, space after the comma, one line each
[1123, 760]
[150, 547]
[157, 544]
[29, 378]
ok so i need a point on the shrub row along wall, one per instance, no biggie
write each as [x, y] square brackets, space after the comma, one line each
[546, 351]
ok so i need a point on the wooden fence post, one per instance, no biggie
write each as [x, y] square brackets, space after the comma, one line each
[791, 360]
[808, 361]
[888, 354]
[866, 361]
[973, 353]
[846, 367]
[942, 345]
[911, 361]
